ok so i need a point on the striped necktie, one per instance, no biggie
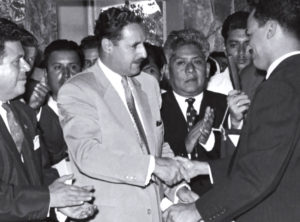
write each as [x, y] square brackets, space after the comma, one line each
[16, 131]
[132, 109]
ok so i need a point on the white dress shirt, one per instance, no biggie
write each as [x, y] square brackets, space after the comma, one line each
[220, 83]
[274, 64]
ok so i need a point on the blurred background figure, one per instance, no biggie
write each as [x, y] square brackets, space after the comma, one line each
[221, 60]
[89, 47]
[155, 63]
[236, 45]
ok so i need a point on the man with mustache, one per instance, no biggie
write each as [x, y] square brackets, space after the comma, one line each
[110, 115]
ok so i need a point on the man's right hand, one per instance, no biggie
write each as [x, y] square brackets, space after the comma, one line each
[238, 103]
[193, 168]
[38, 95]
[168, 170]
[63, 195]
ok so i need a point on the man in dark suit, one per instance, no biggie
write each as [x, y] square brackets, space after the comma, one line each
[261, 181]
[63, 59]
[24, 193]
[187, 72]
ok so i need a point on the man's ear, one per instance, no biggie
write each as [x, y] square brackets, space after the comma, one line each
[106, 45]
[167, 71]
[271, 28]
[163, 71]
[207, 70]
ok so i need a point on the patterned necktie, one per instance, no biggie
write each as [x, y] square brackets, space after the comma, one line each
[191, 113]
[137, 122]
[15, 129]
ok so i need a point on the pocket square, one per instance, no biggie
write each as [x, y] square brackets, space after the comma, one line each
[36, 142]
[158, 123]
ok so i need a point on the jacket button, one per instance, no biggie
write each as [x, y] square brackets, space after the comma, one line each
[148, 211]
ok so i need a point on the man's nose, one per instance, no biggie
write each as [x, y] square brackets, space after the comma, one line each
[24, 65]
[142, 51]
[66, 72]
[242, 50]
[190, 68]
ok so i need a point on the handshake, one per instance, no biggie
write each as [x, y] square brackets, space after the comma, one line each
[174, 170]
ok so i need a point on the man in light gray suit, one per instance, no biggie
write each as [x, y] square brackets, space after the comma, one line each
[111, 120]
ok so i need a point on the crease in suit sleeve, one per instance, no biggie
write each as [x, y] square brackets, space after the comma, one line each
[79, 120]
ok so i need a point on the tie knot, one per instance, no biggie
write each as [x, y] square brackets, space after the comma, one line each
[190, 101]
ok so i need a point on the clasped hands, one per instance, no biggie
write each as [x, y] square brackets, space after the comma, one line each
[71, 200]
[174, 170]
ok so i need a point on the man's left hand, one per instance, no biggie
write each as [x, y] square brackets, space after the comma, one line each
[186, 196]
[182, 212]
[79, 212]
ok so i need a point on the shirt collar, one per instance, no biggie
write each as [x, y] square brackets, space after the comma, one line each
[274, 64]
[53, 104]
[183, 104]
[110, 74]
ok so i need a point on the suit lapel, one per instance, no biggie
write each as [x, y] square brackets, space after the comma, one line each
[30, 161]
[114, 102]
[141, 101]
[9, 145]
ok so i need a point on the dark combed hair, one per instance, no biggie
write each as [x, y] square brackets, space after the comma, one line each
[60, 45]
[89, 42]
[156, 53]
[183, 37]
[237, 20]
[9, 31]
[111, 22]
[28, 39]
[285, 12]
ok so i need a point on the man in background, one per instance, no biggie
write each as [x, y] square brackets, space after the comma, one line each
[89, 46]
[189, 111]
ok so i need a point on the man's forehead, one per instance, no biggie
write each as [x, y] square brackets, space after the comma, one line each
[13, 48]
[188, 50]
[133, 32]
[238, 34]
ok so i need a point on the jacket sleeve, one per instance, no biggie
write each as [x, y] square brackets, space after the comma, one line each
[267, 143]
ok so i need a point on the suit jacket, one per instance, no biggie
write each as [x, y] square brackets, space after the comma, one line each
[251, 78]
[176, 130]
[24, 195]
[104, 148]
[176, 126]
[261, 181]
[52, 135]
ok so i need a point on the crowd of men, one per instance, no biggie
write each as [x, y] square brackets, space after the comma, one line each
[117, 129]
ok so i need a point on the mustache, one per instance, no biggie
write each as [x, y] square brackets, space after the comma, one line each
[139, 61]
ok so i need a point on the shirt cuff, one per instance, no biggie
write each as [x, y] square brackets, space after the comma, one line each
[151, 169]
[38, 115]
[229, 123]
[176, 199]
[209, 145]
[210, 175]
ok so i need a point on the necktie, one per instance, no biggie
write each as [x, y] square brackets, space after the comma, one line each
[15, 129]
[132, 109]
[191, 113]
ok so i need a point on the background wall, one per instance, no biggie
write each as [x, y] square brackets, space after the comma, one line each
[52, 19]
